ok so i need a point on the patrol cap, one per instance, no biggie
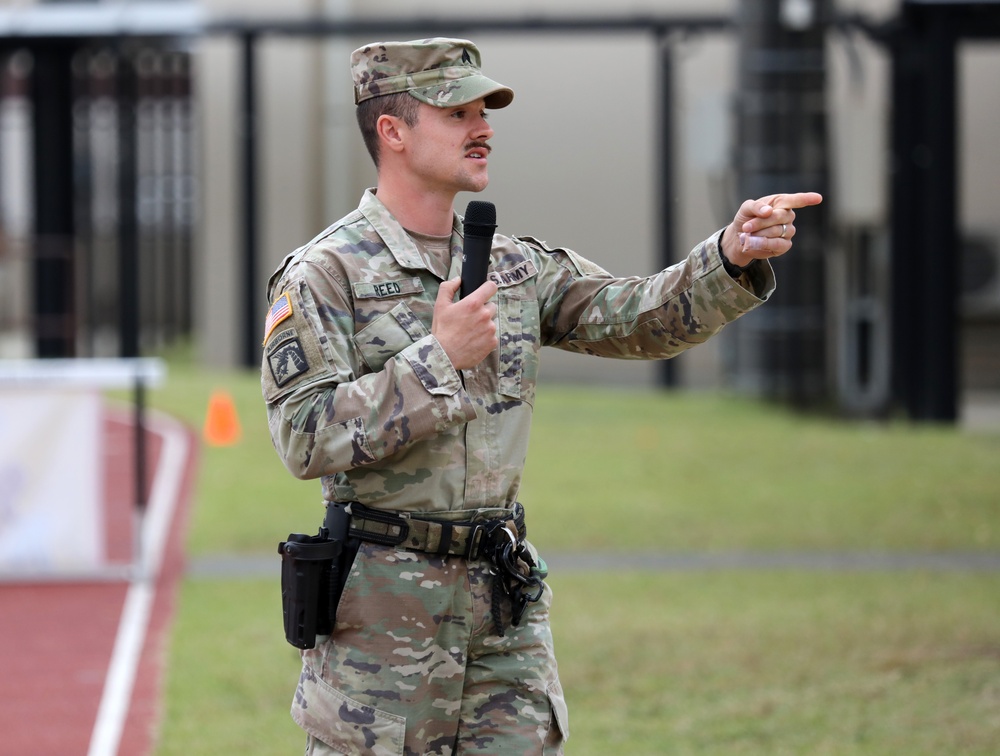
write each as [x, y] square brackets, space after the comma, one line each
[440, 71]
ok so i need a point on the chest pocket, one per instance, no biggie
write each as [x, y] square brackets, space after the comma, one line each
[388, 335]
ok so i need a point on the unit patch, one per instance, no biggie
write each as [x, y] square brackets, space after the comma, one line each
[280, 311]
[287, 359]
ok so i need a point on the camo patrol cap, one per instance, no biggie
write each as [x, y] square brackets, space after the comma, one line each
[441, 72]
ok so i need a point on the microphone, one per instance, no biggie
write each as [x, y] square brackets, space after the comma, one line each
[480, 223]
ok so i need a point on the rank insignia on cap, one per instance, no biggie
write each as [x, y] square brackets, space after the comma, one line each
[280, 311]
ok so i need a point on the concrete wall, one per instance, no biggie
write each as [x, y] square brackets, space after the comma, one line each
[291, 82]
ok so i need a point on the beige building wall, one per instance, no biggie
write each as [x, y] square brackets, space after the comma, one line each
[290, 175]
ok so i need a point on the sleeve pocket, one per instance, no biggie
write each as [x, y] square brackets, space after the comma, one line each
[343, 723]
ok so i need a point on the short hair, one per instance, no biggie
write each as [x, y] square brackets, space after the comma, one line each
[400, 105]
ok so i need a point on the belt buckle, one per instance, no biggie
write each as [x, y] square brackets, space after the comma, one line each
[482, 535]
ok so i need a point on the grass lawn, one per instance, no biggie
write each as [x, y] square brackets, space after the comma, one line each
[687, 663]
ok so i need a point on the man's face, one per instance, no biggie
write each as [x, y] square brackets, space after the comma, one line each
[448, 148]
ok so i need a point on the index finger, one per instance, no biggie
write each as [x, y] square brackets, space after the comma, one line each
[484, 293]
[794, 201]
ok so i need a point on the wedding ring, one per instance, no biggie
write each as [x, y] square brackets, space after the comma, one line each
[784, 228]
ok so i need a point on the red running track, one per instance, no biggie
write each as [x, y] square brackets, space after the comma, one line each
[57, 639]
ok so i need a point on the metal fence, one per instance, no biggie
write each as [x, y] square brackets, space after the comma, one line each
[128, 173]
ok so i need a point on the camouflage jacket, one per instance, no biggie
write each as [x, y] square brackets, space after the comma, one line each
[360, 394]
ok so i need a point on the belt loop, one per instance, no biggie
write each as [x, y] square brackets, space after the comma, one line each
[473, 547]
[444, 545]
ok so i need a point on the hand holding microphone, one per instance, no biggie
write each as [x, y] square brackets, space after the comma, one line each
[467, 329]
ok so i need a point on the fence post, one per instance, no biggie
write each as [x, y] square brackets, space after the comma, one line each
[54, 290]
[924, 254]
[248, 182]
[781, 351]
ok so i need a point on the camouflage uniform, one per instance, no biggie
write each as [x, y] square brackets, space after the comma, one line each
[362, 396]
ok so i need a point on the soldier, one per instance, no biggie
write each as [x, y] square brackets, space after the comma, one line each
[414, 408]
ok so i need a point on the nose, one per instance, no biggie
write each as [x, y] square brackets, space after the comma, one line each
[483, 129]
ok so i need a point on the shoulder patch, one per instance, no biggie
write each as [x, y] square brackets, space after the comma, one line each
[280, 311]
[287, 359]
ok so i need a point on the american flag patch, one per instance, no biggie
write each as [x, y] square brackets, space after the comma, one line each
[280, 311]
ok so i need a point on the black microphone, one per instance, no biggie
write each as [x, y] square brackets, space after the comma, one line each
[480, 223]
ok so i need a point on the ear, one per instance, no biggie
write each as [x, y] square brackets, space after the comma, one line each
[391, 132]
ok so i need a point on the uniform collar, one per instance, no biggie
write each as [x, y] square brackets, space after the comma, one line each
[398, 241]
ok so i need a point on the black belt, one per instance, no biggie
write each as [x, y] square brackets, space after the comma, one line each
[465, 539]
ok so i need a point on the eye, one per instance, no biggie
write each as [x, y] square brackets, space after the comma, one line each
[462, 113]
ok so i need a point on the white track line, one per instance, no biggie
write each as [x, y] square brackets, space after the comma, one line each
[134, 622]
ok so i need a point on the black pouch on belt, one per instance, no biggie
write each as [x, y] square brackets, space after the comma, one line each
[311, 567]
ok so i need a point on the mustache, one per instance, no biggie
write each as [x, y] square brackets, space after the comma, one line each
[478, 146]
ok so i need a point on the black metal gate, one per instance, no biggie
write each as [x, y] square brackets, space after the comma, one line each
[96, 184]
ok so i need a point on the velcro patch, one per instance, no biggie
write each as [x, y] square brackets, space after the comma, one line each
[287, 359]
[387, 288]
[280, 311]
[513, 276]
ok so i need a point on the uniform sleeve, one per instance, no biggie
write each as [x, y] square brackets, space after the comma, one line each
[585, 309]
[329, 409]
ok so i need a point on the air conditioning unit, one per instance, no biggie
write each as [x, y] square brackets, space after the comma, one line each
[979, 281]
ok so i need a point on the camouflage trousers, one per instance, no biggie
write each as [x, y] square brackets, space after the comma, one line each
[414, 665]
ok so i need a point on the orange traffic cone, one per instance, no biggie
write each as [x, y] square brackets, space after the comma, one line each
[222, 424]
